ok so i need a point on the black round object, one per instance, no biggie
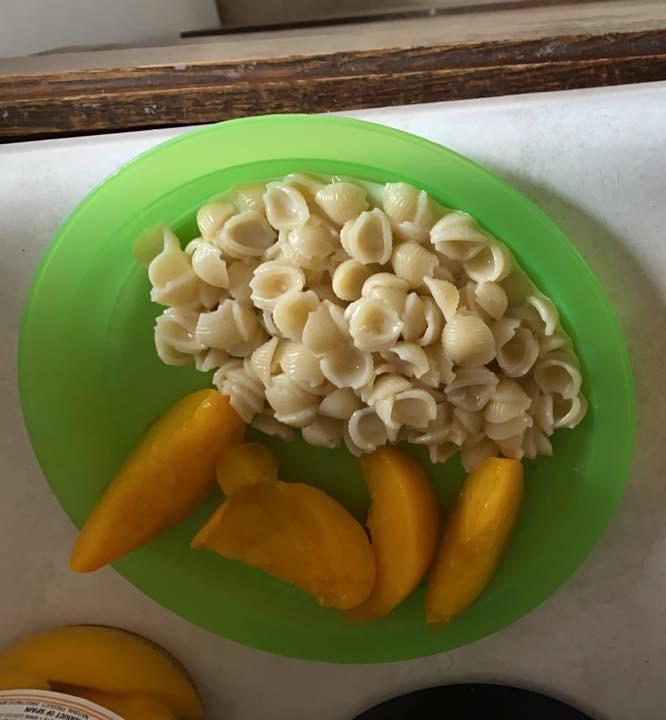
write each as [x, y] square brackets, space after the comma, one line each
[473, 701]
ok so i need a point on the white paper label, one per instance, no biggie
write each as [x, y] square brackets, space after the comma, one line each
[38, 704]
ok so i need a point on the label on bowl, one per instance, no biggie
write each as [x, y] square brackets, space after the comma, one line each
[40, 704]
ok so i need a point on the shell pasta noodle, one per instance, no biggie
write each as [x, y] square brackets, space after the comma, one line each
[363, 315]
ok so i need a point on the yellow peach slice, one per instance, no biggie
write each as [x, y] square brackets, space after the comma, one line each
[244, 465]
[476, 532]
[170, 472]
[129, 707]
[16, 679]
[298, 534]
[107, 660]
[403, 522]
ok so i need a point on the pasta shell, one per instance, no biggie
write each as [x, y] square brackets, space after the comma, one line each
[517, 348]
[298, 418]
[348, 279]
[442, 453]
[509, 428]
[368, 238]
[412, 359]
[434, 322]
[171, 275]
[445, 294]
[472, 422]
[287, 397]
[508, 401]
[413, 263]
[267, 424]
[414, 408]
[540, 315]
[475, 450]
[468, 341]
[388, 288]
[210, 359]
[347, 366]
[373, 324]
[413, 318]
[341, 201]
[491, 297]
[568, 412]
[218, 328]
[440, 368]
[301, 366]
[250, 197]
[175, 339]
[491, 264]
[208, 264]
[457, 236]
[246, 235]
[324, 432]
[557, 341]
[211, 218]
[340, 404]
[387, 385]
[324, 329]
[306, 184]
[286, 208]
[558, 373]
[263, 361]
[312, 243]
[245, 393]
[512, 447]
[471, 388]
[240, 275]
[400, 201]
[291, 312]
[366, 430]
[272, 280]
[536, 443]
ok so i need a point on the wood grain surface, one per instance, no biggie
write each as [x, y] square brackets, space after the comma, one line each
[86, 101]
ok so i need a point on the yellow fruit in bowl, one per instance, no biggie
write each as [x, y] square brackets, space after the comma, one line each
[403, 522]
[476, 533]
[169, 473]
[298, 534]
[129, 707]
[244, 465]
[17, 679]
[105, 660]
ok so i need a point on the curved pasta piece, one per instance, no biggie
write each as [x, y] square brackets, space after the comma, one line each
[293, 404]
[457, 236]
[443, 429]
[251, 197]
[414, 408]
[324, 432]
[368, 238]
[508, 402]
[410, 211]
[373, 325]
[442, 453]
[291, 312]
[445, 294]
[348, 279]
[568, 412]
[491, 264]
[475, 450]
[325, 329]
[558, 373]
[208, 264]
[384, 384]
[539, 314]
[285, 207]
[468, 341]
[245, 392]
[557, 341]
[211, 218]
[246, 235]
[412, 359]
[347, 366]
[171, 275]
[387, 287]
[512, 447]
[413, 263]
[301, 366]
[263, 361]
[240, 274]
[472, 422]
[471, 388]
[413, 318]
[542, 413]
[366, 430]
[517, 348]
[516, 426]
[440, 368]
[210, 359]
[341, 201]
[434, 322]
[175, 341]
[272, 280]
[306, 184]
[340, 404]
[491, 298]
[536, 443]
[266, 423]
[311, 244]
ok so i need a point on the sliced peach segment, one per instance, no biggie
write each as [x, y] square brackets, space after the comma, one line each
[476, 533]
[403, 522]
[106, 660]
[16, 679]
[244, 465]
[129, 707]
[298, 534]
[170, 472]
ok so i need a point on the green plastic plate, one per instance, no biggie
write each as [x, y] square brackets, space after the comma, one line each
[91, 384]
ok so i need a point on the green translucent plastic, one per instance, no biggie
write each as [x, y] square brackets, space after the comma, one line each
[91, 384]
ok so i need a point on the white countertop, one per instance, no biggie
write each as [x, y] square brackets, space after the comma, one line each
[595, 161]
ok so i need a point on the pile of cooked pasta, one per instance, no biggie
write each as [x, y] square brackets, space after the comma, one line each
[366, 315]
